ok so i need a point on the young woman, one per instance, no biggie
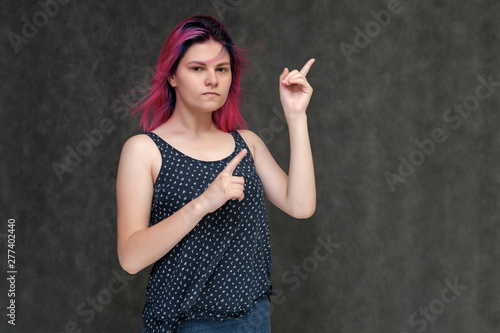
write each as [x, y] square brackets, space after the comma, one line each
[190, 190]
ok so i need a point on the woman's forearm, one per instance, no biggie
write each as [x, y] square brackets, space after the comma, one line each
[146, 246]
[301, 188]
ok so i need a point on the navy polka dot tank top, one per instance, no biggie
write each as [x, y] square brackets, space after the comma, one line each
[223, 265]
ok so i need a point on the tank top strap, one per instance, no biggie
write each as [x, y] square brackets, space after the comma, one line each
[240, 143]
[156, 139]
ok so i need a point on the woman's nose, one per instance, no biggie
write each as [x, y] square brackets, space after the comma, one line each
[211, 79]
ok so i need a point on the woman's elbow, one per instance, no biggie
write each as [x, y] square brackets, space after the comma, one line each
[130, 269]
[304, 212]
[128, 264]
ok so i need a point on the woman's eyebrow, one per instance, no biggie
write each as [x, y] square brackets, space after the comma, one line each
[204, 64]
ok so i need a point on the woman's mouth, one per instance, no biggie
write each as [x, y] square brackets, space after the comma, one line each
[211, 94]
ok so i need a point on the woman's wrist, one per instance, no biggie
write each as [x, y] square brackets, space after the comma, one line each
[297, 122]
[296, 118]
[200, 206]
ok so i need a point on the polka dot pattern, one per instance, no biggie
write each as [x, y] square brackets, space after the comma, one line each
[223, 265]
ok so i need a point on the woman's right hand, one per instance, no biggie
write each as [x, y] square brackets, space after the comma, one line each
[226, 186]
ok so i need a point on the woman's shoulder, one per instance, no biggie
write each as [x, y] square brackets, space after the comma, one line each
[139, 145]
[250, 137]
[140, 139]
[253, 141]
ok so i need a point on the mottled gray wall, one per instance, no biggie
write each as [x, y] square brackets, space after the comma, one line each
[396, 226]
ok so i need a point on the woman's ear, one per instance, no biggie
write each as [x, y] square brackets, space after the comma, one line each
[171, 80]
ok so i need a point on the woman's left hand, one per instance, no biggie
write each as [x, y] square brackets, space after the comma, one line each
[295, 91]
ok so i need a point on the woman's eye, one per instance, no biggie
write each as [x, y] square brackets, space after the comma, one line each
[222, 69]
[196, 69]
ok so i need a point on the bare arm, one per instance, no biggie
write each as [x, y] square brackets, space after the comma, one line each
[139, 245]
[294, 193]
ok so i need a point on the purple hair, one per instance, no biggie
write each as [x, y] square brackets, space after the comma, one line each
[158, 105]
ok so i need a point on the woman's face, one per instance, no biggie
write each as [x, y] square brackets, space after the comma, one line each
[203, 77]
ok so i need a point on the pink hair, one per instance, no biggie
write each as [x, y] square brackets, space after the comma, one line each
[158, 105]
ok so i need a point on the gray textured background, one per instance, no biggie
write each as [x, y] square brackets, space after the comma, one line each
[394, 249]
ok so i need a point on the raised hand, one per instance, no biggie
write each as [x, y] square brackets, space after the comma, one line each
[295, 91]
[226, 186]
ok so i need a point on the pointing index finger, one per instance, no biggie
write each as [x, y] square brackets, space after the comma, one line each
[307, 66]
[231, 166]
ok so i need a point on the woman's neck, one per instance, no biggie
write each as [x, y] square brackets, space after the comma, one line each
[193, 122]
